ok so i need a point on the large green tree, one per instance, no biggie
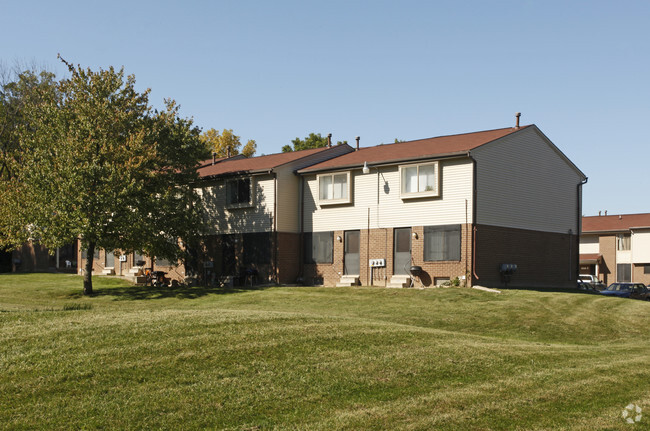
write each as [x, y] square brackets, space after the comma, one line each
[100, 165]
[314, 140]
[227, 143]
[27, 88]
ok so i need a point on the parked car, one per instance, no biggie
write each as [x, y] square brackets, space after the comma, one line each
[628, 290]
[590, 282]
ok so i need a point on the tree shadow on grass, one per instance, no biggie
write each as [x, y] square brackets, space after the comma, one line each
[136, 293]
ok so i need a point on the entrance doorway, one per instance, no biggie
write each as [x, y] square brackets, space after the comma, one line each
[5, 261]
[402, 251]
[351, 252]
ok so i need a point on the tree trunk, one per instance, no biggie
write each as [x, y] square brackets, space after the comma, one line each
[88, 273]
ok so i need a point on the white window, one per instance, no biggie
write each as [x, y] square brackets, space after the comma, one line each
[419, 180]
[334, 188]
[623, 242]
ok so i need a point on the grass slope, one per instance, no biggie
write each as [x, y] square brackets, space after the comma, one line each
[316, 358]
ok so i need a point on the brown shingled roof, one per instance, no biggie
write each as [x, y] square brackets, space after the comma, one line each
[255, 164]
[413, 150]
[614, 223]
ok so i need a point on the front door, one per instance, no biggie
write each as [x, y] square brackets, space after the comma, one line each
[402, 250]
[351, 252]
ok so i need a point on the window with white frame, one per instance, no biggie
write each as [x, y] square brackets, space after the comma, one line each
[334, 188]
[420, 180]
[623, 242]
[238, 193]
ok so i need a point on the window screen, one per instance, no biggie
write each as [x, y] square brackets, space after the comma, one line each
[442, 243]
[319, 247]
[257, 248]
[239, 191]
[623, 272]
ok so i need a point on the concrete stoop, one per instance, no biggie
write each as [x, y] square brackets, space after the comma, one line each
[348, 280]
[399, 281]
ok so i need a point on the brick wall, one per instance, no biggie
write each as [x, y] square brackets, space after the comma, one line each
[607, 270]
[378, 244]
[288, 257]
[543, 259]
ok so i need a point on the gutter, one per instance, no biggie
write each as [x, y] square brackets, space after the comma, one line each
[383, 163]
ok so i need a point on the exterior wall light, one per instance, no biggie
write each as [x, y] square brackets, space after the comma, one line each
[365, 169]
[414, 235]
[339, 239]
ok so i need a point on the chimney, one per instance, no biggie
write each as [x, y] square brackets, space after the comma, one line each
[228, 152]
[605, 212]
[599, 213]
[358, 138]
[518, 114]
[214, 157]
[329, 140]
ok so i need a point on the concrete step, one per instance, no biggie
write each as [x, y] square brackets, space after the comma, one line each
[348, 280]
[109, 271]
[399, 281]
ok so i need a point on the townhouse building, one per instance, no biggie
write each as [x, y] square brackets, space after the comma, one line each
[484, 208]
[616, 247]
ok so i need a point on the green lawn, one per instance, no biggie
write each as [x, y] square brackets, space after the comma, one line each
[316, 358]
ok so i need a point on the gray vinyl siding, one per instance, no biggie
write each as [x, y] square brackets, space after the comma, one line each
[223, 220]
[524, 182]
[386, 208]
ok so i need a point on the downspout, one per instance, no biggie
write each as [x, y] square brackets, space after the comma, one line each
[301, 204]
[474, 227]
[579, 223]
[275, 226]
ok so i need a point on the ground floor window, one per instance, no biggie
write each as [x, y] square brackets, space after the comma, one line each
[257, 248]
[109, 259]
[646, 269]
[319, 247]
[623, 272]
[442, 243]
[84, 254]
[163, 262]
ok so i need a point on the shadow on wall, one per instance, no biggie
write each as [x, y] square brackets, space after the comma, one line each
[238, 245]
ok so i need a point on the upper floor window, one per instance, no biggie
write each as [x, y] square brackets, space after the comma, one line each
[419, 180]
[623, 242]
[238, 192]
[334, 188]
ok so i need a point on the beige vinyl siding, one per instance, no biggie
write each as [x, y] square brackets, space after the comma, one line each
[288, 187]
[288, 209]
[589, 244]
[222, 220]
[390, 210]
[524, 182]
[641, 247]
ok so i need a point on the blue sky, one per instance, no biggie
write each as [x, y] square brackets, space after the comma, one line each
[273, 71]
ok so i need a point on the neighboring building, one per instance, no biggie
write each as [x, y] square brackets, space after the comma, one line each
[33, 257]
[457, 206]
[254, 214]
[253, 220]
[616, 247]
